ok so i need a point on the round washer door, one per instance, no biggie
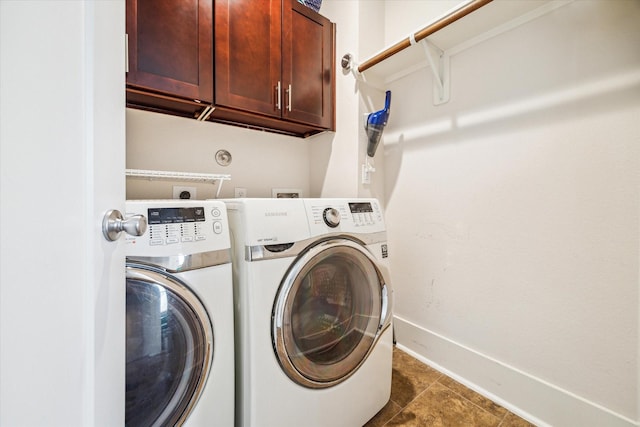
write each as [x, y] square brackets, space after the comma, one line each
[169, 348]
[330, 310]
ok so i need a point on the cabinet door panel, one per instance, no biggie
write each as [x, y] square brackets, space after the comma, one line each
[308, 62]
[170, 47]
[247, 54]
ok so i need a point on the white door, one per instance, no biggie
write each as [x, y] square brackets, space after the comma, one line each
[62, 160]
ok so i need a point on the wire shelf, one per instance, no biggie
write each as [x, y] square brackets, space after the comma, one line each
[180, 176]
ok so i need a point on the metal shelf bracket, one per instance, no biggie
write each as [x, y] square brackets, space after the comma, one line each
[439, 62]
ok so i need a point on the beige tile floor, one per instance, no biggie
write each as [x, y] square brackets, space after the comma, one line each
[422, 396]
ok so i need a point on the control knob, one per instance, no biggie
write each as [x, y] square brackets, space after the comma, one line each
[331, 217]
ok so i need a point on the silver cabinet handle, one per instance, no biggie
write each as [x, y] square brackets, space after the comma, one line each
[114, 223]
[289, 96]
[278, 96]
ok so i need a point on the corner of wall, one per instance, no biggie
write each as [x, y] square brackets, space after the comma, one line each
[520, 392]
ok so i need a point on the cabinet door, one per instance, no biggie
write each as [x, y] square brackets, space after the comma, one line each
[170, 47]
[308, 66]
[247, 55]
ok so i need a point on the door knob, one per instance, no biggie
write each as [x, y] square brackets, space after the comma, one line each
[114, 223]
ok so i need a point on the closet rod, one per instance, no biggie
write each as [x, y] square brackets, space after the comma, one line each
[425, 32]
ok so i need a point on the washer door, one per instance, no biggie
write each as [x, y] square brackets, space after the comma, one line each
[330, 310]
[169, 348]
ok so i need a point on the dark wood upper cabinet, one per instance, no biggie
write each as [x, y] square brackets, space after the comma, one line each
[308, 63]
[170, 48]
[266, 64]
[275, 58]
[248, 55]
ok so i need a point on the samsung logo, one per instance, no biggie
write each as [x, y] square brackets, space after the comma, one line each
[276, 213]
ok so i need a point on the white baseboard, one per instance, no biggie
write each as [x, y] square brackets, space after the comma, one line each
[531, 398]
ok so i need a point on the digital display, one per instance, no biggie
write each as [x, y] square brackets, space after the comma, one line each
[360, 207]
[175, 215]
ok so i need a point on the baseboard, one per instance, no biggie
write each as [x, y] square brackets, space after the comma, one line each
[531, 398]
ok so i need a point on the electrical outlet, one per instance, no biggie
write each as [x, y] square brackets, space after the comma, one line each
[240, 192]
[366, 175]
[184, 192]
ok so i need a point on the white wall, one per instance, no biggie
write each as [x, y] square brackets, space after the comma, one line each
[62, 148]
[403, 17]
[333, 162]
[260, 160]
[359, 33]
[513, 215]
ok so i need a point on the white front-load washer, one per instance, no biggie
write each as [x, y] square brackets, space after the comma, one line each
[179, 316]
[313, 311]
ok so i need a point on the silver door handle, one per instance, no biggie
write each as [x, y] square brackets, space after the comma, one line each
[289, 96]
[385, 310]
[126, 54]
[278, 96]
[114, 223]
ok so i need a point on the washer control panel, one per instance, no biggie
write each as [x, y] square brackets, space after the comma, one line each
[179, 226]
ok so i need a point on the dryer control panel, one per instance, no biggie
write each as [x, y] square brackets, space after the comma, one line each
[179, 227]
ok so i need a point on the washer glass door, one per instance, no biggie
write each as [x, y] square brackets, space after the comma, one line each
[169, 346]
[330, 309]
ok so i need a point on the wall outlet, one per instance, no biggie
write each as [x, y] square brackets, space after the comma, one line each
[184, 192]
[366, 174]
[240, 192]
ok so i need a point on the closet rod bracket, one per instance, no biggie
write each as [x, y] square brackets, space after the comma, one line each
[350, 66]
[439, 62]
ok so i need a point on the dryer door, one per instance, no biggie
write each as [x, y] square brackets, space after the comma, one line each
[169, 348]
[330, 310]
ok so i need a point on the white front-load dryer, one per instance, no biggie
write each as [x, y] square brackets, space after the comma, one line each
[313, 311]
[179, 316]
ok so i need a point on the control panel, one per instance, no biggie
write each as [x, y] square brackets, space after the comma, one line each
[361, 216]
[365, 213]
[180, 226]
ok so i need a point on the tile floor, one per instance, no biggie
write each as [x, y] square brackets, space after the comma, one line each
[422, 396]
